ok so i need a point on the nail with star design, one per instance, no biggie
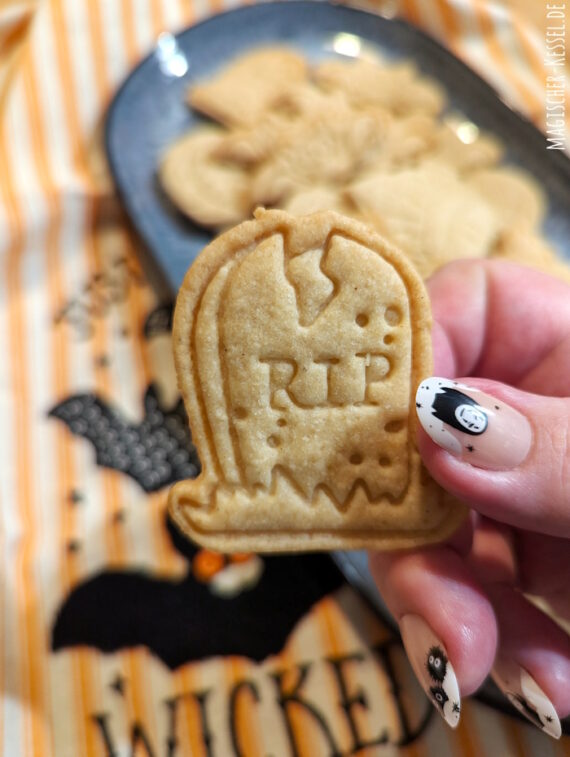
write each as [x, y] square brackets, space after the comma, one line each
[472, 425]
[430, 662]
[526, 696]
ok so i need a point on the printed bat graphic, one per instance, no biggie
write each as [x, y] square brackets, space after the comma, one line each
[157, 452]
[181, 620]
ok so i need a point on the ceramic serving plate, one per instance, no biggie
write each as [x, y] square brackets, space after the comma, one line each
[149, 112]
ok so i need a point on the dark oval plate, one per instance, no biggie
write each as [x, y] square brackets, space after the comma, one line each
[149, 112]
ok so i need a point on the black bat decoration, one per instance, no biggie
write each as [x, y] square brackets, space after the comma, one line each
[181, 621]
[157, 452]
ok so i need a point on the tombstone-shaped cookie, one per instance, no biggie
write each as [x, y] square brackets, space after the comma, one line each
[299, 345]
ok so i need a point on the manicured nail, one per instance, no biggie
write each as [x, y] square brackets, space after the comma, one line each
[472, 425]
[431, 665]
[525, 694]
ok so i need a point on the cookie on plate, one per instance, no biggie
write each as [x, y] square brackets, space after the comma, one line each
[398, 87]
[429, 213]
[210, 191]
[514, 194]
[243, 90]
[329, 148]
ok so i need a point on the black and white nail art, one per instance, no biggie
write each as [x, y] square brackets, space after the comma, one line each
[472, 425]
[444, 690]
[443, 405]
[432, 666]
[528, 698]
[526, 709]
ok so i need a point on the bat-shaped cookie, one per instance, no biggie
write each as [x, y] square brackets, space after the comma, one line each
[156, 452]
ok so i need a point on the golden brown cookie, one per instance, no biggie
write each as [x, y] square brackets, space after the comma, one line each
[460, 145]
[282, 124]
[305, 100]
[299, 345]
[208, 190]
[407, 140]
[251, 145]
[329, 148]
[429, 213]
[318, 197]
[514, 194]
[243, 90]
[397, 87]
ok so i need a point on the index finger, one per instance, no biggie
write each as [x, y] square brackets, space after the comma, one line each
[496, 319]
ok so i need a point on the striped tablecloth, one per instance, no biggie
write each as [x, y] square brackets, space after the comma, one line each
[99, 653]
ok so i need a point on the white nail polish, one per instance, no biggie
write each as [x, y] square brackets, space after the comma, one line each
[472, 425]
[526, 696]
[430, 662]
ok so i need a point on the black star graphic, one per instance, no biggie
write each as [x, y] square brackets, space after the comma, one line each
[456, 707]
[549, 718]
[470, 447]
[73, 546]
[418, 404]
[118, 685]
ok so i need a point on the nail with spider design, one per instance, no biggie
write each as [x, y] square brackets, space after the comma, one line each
[472, 425]
[525, 694]
[430, 662]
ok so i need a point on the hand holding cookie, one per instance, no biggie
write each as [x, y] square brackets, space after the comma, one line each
[498, 441]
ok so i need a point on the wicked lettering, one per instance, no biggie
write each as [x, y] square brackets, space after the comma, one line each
[296, 710]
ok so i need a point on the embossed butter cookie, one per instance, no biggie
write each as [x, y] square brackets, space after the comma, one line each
[241, 92]
[299, 345]
[397, 87]
[209, 191]
[429, 213]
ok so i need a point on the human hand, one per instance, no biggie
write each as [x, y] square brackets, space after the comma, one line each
[502, 445]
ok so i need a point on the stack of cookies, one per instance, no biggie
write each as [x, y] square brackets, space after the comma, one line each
[368, 138]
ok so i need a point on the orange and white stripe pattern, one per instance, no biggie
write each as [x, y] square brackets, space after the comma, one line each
[60, 228]
[499, 42]
[15, 22]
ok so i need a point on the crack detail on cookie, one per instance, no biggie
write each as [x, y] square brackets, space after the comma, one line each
[314, 290]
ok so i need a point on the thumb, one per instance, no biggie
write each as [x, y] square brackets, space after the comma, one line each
[501, 450]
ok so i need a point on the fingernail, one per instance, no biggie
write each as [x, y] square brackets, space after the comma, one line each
[473, 425]
[525, 694]
[431, 665]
